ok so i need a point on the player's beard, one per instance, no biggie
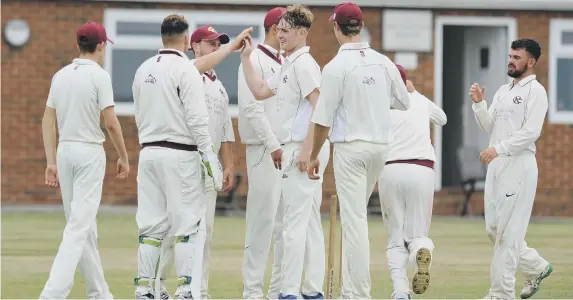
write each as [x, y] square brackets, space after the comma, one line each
[516, 73]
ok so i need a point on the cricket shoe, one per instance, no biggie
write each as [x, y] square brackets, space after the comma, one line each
[532, 285]
[184, 292]
[421, 279]
[281, 296]
[164, 294]
[144, 295]
[317, 296]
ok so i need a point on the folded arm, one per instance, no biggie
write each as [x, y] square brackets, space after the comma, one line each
[531, 129]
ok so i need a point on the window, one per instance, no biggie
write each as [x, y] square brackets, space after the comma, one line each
[561, 71]
[137, 36]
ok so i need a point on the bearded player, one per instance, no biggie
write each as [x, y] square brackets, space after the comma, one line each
[514, 120]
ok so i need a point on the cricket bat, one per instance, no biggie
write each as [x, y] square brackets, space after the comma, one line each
[331, 247]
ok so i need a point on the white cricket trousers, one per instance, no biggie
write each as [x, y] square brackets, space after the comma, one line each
[357, 166]
[171, 202]
[303, 238]
[510, 187]
[406, 200]
[262, 220]
[81, 170]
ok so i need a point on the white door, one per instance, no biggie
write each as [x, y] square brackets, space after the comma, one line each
[485, 61]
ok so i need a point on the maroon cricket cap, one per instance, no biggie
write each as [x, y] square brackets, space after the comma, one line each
[273, 16]
[91, 33]
[402, 72]
[347, 13]
[207, 33]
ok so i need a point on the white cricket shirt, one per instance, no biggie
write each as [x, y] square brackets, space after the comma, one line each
[515, 117]
[78, 93]
[359, 86]
[298, 77]
[410, 130]
[254, 122]
[217, 101]
[169, 100]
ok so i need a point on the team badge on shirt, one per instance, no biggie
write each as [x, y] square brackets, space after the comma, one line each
[150, 79]
[517, 100]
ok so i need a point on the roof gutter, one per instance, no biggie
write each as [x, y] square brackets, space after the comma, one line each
[543, 5]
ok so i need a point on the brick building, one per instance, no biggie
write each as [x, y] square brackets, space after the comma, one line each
[445, 46]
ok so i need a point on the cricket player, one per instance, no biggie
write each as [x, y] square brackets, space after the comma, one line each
[296, 87]
[80, 93]
[359, 86]
[406, 189]
[206, 45]
[514, 119]
[263, 149]
[173, 126]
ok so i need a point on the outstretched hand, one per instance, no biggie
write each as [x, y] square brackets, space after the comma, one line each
[247, 47]
[239, 41]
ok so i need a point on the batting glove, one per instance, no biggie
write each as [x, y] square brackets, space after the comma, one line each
[213, 169]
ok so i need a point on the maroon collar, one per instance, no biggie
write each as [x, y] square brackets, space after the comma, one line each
[212, 77]
[269, 54]
[169, 52]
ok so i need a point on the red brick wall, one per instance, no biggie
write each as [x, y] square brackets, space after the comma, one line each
[27, 73]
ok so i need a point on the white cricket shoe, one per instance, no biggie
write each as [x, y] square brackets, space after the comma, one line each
[421, 279]
[164, 293]
[532, 285]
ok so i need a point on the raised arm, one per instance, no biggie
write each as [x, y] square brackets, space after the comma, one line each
[437, 115]
[483, 115]
[531, 129]
[210, 61]
[255, 82]
[192, 96]
[255, 111]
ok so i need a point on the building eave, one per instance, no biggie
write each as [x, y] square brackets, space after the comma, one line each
[543, 5]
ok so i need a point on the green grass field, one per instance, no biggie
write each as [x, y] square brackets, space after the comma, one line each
[460, 267]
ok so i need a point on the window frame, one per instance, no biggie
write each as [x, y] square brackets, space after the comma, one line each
[112, 16]
[556, 51]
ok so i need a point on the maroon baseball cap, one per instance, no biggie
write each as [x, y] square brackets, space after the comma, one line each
[208, 33]
[347, 13]
[273, 16]
[402, 72]
[91, 33]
